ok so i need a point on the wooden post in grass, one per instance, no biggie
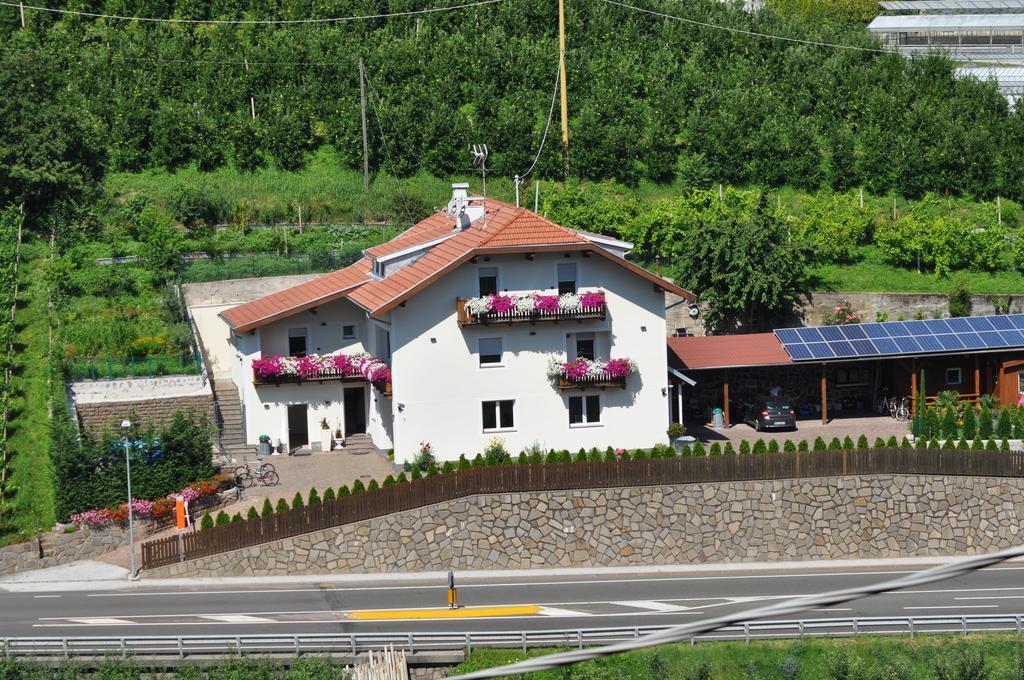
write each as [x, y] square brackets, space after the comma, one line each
[362, 114]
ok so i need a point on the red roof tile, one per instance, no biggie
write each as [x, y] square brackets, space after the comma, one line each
[728, 351]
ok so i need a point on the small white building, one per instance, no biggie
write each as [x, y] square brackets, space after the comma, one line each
[484, 320]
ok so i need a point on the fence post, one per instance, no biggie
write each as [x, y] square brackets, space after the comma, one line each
[181, 548]
[64, 646]
[746, 632]
[523, 637]
[963, 620]
[181, 649]
[911, 622]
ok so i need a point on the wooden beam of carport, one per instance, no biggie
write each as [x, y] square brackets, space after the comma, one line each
[824, 397]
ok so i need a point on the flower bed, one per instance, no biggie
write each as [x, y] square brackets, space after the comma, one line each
[581, 371]
[154, 510]
[531, 307]
[322, 366]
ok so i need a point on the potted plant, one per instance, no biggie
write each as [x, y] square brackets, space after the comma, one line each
[325, 436]
[339, 441]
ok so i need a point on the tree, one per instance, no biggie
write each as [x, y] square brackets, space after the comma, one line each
[970, 424]
[314, 497]
[744, 266]
[1004, 424]
[297, 501]
[253, 513]
[222, 518]
[268, 509]
[207, 522]
[984, 422]
[282, 506]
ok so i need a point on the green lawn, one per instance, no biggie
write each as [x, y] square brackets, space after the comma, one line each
[871, 274]
[823, 659]
[32, 509]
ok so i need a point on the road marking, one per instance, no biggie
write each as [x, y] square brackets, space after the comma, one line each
[235, 618]
[38, 597]
[992, 597]
[831, 609]
[960, 606]
[102, 622]
[439, 613]
[555, 611]
[651, 605]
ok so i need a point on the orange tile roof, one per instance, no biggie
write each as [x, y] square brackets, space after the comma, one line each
[729, 351]
[505, 228]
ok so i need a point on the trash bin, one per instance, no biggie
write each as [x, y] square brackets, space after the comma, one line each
[684, 443]
[265, 448]
[718, 419]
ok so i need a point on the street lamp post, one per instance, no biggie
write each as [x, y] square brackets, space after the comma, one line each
[126, 426]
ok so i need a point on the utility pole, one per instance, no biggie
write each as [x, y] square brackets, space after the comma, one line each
[362, 113]
[21, 10]
[252, 100]
[565, 100]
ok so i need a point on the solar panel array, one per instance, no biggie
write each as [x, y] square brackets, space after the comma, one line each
[897, 338]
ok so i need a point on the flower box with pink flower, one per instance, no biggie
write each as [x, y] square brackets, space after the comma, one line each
[581, 373]
[358, 367]
[531, 307]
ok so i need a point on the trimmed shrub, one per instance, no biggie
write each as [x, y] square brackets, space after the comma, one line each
[948, 445]
[1004, 445]
[847, 442]
[449, 466]
[835, 444]
[463, 463]
[297, 501]
[969, 428]
[222, 519]
[933, 443]
[977, 444]
[478, 461]
[282, 506]
[252, 514]
[759, 447]
[1018, 423]
[696, 450]
[329, 495]
[536, 457]
[207, 522]
[551, 457]
[609, 455]
[314, 497]
[389, 482]
[905, 442]
[523, 459]
[416, 474]
[773, 446]
[862, 441]
[372, 486]
[358, 487]
[237, 517]
[728, 450]
[716, 449]
[744, 447]
[947, 427]
[922, 443]
[401, 478]
[962, 445]
[819, 444]
[985, 423]
[991, 445]
[879, 443]
[268, 509]
[626, 455]
[343, 491]
[432, 470]
[789, 446]
[803, 446]
[595, 456]
[1004, 425]
[892, 443]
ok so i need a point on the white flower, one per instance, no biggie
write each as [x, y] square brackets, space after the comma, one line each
[478, 305]
[555, 369]
[569, 301]
[525, 303]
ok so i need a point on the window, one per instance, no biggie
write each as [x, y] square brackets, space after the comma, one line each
[1020, 382]
[297, 342]
[566, 278]
[490, 351]
[585, 410]
[348, 332]
[488, 280]
[585, 345]
[954, 376]
[498, 415]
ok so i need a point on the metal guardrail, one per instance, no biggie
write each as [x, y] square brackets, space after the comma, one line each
[185, 646]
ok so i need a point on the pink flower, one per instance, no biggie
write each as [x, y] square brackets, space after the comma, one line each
[592, 299]
[307, 367]
[546, 303]
[268, 367]
[577, 369]
[619, 368]
[343, 363]
[501, 304]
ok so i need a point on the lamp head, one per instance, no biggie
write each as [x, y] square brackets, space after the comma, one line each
[126, 424]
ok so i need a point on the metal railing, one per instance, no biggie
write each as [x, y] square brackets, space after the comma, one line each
[185, 646]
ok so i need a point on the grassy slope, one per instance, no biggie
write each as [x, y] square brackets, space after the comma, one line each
[775, 660]
[28, 436]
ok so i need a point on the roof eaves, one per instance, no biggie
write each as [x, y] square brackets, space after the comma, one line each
[295, 309]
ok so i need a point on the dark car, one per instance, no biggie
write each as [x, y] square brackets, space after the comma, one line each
[770, 413]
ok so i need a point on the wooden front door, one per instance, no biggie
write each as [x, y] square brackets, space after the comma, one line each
[298, 426]
[355, 410]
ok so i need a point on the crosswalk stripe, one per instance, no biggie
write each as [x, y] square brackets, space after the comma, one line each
[651, 605]
[554, 611]
[236, 618]
[102, 622]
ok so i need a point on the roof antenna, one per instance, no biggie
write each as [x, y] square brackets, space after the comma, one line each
[480, 158]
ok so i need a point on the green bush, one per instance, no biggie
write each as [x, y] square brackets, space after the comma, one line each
[862, 442]
[344, 491]
[947, 427]
[478, 461]
[696, 450]
[416, 474]
[297, 501]
[449, 466]
[432, 470]
[358, 487]
[892, 443]
[879, 443]
[759, 447]
[1018, 423]
[222, 519]
[716, 449]
[977, 444]
[773, 446]
[282, 506]
[329, 495]
[463, 463]
[820, 444]
[389, 481]
[314, 497]
[835, 444]
[536, 457]
[523, 459]
[252, 514]
[803, 446]
[969, 428]
[268, 509]
[985, 430]
[789, 446]
[237, 517]
[207, 522]
[948, 445]
[373, 485]
[847, 443]
[959, 299]
[962, 445]
[729, 451]
[1004, 424]
[744, 447]
[400, 479]
[1004, 445]
[991, 445]
[905, 442]
[933, 443]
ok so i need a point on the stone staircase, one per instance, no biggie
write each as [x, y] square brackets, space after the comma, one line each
[358, 444]
[232, 438]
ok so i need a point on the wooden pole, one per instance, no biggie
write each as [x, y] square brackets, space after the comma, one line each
[913, 389]
[977, 377]
[362, 114]
[824, 397]
[562, 86]
[252, 100]
[725, 405]
[21, 11]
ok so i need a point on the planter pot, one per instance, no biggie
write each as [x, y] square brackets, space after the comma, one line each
[325, 441]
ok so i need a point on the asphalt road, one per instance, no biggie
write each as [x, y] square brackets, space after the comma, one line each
[571, 602]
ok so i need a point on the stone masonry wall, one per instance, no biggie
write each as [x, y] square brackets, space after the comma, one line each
[60, 548]
[835, 518]
[100, 416]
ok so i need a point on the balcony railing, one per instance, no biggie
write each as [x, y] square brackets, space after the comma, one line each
[602, 381]
[514, 315]
[315, 368]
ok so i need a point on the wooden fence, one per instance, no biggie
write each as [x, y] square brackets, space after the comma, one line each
[564, 476]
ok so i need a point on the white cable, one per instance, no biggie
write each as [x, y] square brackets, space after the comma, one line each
[547, 125]
[743, 31]
[687, 631]
[268, 22]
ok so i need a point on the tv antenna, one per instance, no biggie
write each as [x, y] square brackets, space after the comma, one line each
[480, 158]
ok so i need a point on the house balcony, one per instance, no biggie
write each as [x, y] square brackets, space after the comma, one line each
[603, 381]
[277, 370]
[582, 373]
[506, 308]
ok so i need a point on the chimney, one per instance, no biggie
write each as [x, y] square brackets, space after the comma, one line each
[460, 191]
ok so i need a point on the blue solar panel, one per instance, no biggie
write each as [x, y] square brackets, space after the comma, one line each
[971, 341]
[820, 350]
[809, 334]
[959, 325]
[798, 351]
[864, 348]
[980, 323]
[937, 326]
[787, 335]
[1017, 320]
[917, 328]
[853, 332]
[897, 329]
[874, 330]
[1012, 338]
[1001, 323]
[929, 343]
[887, 346]
[949, 341]
[842, 349]
[992, 339]
[831, 333]
[907, 344]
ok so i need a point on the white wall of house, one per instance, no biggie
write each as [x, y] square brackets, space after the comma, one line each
[440, 387]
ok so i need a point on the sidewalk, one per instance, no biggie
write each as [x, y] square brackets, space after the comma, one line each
[93, 576]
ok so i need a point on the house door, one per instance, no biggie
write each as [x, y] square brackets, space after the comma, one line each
[355, 410]
[298, 426]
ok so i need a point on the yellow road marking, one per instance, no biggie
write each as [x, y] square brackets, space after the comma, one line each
[439, 613]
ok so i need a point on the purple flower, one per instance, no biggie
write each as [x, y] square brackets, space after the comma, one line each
[307, 367]
[546, 303]
[593, 299]
[268, 367]
[501, 304]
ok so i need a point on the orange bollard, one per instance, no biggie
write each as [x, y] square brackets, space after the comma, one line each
[181, 512]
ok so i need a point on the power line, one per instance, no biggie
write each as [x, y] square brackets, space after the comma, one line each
[742, 31]
[547, 125]
[687, 631]
[263, 22]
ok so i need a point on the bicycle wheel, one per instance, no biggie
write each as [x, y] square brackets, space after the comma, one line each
[270, 478]
[903, 413]
[267, 467]
[241, 470]
[245, 480]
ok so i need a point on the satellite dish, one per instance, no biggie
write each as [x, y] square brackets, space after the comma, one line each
[694, 310]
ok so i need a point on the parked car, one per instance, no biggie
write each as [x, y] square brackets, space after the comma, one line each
[770, 413]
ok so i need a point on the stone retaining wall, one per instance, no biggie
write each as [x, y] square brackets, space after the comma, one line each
[60, 548]
[763, 521]
[100, 416]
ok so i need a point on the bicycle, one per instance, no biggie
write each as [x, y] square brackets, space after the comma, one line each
[899, 409]
[246, 475]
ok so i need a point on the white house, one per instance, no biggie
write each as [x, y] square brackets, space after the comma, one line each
[466, 327]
